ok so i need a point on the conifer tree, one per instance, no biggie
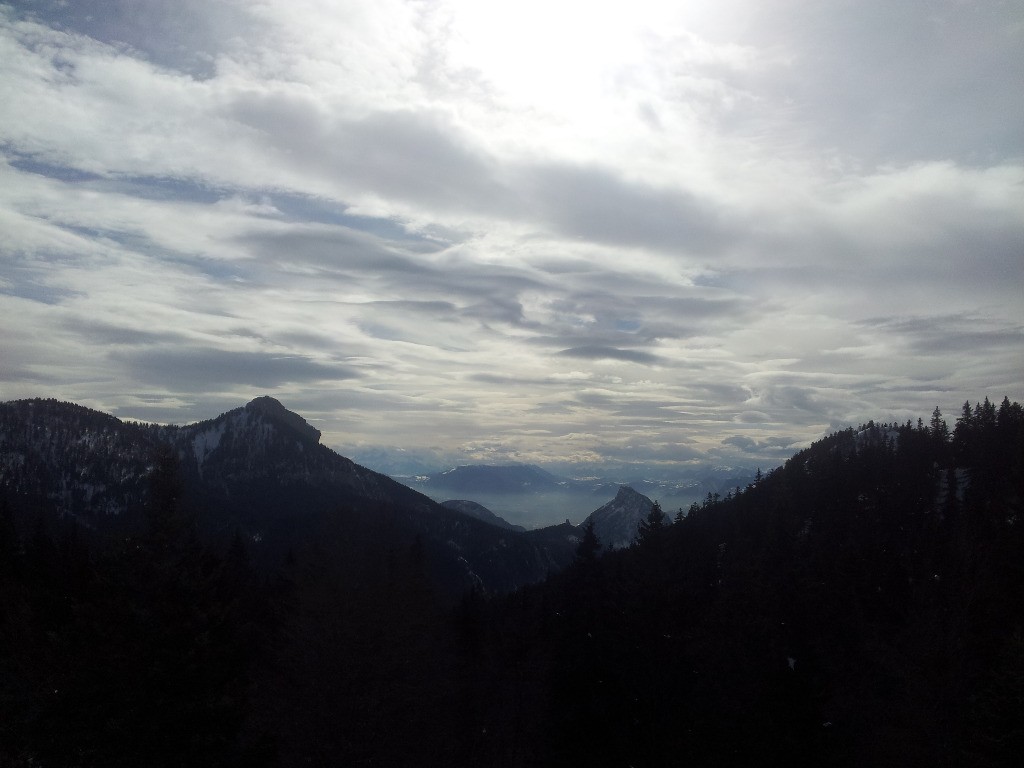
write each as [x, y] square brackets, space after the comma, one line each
[1008, 412]
[590, 544]
[652, 524]
[938, 427]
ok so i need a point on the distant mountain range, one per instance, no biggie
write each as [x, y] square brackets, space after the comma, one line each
[485, 478]
[532, 479]
[530, 496]
[615, 523]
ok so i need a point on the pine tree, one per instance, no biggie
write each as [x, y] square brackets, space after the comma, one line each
[1008, 412]
[651, 525]
[938, 427]
[985, 414]
[590, 544]
[966, 415]
[962, 433]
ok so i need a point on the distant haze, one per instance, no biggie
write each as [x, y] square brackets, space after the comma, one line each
[531, 497]
[530, 511]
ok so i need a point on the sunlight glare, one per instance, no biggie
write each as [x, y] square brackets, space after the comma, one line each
[555, 55]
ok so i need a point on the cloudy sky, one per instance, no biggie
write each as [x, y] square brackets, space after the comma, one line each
[537, 231]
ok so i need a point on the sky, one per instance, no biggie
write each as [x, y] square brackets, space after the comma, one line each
[663, 234]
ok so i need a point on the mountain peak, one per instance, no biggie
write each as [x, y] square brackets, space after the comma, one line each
[616, 522]
[267, 404]
[626, 493]
[274, 410]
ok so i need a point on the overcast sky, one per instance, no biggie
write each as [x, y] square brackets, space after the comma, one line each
[529, 231]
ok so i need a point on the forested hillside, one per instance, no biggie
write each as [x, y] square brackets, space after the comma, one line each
[858, 606]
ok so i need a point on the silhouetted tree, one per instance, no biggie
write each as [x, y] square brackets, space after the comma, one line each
[590, 544]
[938, 427]
[651, 525]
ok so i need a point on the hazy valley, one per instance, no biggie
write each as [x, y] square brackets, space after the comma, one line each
[530, 496]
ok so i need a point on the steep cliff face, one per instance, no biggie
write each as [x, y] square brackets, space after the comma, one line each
[285, 419]
[616, 522]
[264, 441]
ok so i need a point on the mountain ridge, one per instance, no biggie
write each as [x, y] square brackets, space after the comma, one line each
[260, 469]
[495, 478]
[480, 512]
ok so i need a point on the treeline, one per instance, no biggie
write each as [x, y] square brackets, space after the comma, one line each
[858, 606]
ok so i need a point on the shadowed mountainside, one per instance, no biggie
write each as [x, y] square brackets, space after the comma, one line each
[258, 470]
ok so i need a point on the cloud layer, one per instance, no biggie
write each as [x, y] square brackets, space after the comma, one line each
[636, 234]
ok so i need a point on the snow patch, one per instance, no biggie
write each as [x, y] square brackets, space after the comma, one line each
[206, 442]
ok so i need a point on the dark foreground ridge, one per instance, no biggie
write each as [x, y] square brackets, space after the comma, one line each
[858, 606]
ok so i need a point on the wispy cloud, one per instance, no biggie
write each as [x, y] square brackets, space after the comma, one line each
[650, 233]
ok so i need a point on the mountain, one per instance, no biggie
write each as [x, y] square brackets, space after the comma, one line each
[480, 512]
[400, 462]
[616, 523]
[486, 478]
[532, 496]
[92, 467]
[259, 470]
[74, 461]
